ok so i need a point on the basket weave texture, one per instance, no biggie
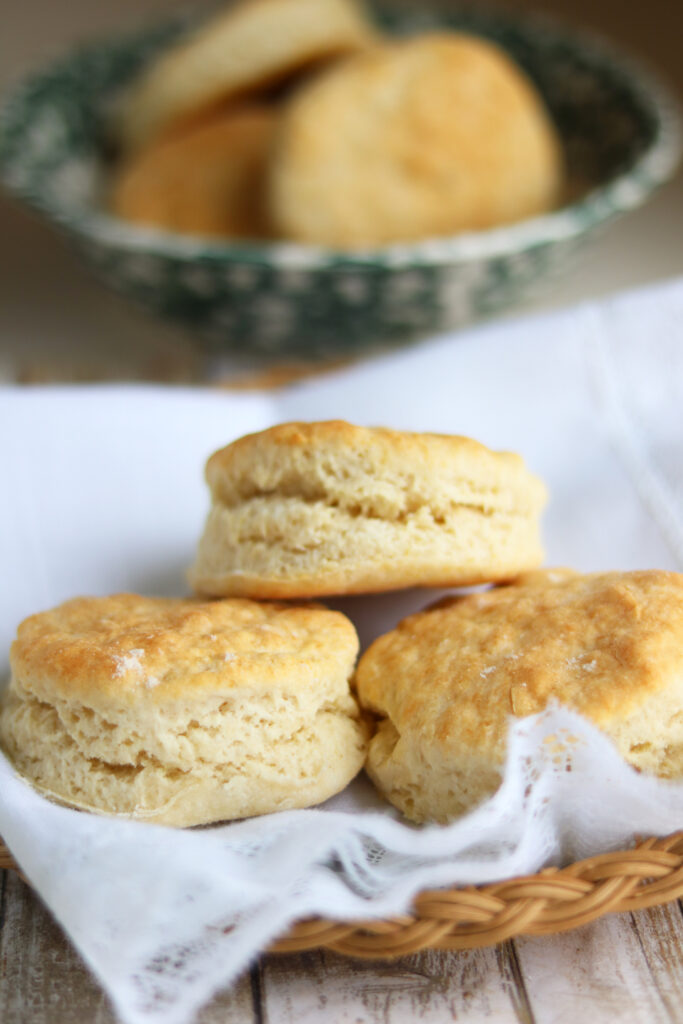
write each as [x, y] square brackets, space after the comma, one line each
[553, 900]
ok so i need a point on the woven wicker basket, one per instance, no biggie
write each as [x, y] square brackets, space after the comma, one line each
[553, 900]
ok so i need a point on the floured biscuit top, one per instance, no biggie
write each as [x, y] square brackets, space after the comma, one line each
[598, 643]
[125, 645]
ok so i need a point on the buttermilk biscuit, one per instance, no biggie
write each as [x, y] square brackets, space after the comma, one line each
[244, 48]
[424, 137]
[181, 712]
[208, 179]
[446, 681]
[308, 509]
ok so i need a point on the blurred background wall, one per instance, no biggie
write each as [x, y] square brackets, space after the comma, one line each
[34, 29]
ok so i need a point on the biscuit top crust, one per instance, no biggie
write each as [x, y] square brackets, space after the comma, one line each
[600, 644]
[420, 136]
[370, 470]
[128, 648]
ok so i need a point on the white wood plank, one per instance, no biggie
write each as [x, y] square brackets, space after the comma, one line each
[598, 974]
[234, 1006]
[627, 969]
[428, 987]
[44, 981]
[660, 931]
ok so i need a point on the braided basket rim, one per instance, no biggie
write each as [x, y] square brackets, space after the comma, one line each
[466, 917]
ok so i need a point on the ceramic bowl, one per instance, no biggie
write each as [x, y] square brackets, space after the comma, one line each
[619, 130]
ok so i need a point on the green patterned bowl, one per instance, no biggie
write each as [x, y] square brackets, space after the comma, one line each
[620, 136]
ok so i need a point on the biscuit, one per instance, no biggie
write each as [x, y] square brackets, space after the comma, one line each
[446, 681]
[429, 136]
[182, 712]
[208, 179]
[306, 509]
[244, 48]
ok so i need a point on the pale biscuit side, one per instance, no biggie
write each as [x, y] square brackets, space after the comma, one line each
[250, 755]
[291, 548]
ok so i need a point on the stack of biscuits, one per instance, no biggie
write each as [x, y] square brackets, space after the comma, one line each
[299, 120]
[246, 698]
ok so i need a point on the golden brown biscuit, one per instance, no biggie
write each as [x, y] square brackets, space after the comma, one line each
[331, 508]
[446, 681]
[424, 137]
[183, 712]
[208, 179]
[244, 48]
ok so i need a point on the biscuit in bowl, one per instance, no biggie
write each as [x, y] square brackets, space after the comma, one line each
[312, 509]
[242, 49]
[428, 136]
[446, 681]
[182, 712]
[207, 178]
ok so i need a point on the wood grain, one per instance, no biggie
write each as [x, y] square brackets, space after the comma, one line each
[429, 988]
[599, 973]
[44, 981]
[660, 933]
[626, 968]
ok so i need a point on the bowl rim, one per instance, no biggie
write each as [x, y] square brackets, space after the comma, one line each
[625, 191]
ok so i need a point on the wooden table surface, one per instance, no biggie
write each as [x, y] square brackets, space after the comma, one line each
[626, 968]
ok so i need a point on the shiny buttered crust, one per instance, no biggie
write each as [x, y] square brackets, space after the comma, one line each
[446, 681]
[308, 509]
[242, 49]
[430, 136]
[208, 179]
[183, 712]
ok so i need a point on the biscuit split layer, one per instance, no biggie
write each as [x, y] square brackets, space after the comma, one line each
[307, 509]
[183, 712]
[445, 682]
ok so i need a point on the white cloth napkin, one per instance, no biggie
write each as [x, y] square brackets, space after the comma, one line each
[103, 492]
